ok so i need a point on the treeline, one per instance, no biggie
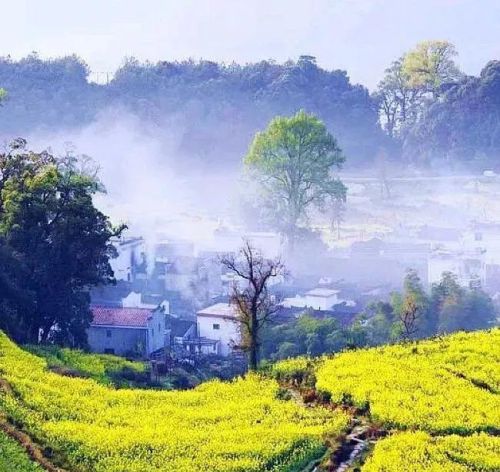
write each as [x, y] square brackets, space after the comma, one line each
[436, 113]
[214, 109]
[411, 314]
[424, 110]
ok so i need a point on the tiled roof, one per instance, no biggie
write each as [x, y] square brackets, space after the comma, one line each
[133, 317]
[219, 310]
[322, 292]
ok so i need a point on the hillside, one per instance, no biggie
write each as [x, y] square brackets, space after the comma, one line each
[205, 112]
[218, 426]
[428, 406]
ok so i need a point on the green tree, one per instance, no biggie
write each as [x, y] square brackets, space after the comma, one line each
[460, 308]
[49, 225]
[413, 317]
[287, 349]
[480, 311]
[379, 320]
[446, 299]
[293, 161]
[3, 94]
[412, 82]
[315, 332]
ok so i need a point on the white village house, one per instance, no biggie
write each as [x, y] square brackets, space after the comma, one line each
[126, 331]
[219, 323]
[317, 299]
[135, 300]
[130, 253]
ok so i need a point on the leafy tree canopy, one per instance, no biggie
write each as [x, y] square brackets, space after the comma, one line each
[55, 242]
[293, 161]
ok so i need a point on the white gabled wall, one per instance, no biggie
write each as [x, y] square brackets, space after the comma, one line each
[228, 332]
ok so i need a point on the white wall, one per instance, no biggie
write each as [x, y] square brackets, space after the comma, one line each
[123, 264]
[228, 332]
[156, 328]
[308, 301]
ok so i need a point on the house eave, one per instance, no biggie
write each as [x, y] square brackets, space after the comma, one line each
[119, 326]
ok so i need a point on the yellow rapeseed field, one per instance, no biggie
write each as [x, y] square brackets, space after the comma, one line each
[448, 385]
[420, 452]
[237, 426]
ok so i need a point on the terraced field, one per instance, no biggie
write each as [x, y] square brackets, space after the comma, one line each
[218, 427]
[437, 400]
[447, 387]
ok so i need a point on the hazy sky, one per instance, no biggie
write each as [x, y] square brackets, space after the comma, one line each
[360, 36]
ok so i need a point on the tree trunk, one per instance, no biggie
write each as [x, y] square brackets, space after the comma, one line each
[252, 358]
[253, 355]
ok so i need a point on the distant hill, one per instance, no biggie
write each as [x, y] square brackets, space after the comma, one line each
[212, 109]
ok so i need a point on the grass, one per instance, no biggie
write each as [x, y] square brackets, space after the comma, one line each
[13, 458]
[103, 368]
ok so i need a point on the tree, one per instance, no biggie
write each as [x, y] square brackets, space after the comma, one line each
[412, 83]
[255, 305]
[381, 164]
[480, 312]
[337, 211]
[49, 93]
[292, 161]
[58, 239]
[446, 298]
[412, 308]
[431, 65]
[409, 316]
[399, 102]
[3, 94]
[459, 308]
[378, 318]
[464, 124]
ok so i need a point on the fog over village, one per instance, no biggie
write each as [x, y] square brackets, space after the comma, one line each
[261, 245]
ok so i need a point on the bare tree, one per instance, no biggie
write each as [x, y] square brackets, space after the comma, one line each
[409, 317]
[255, 305]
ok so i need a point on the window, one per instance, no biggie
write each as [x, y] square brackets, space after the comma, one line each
[216, 326]
[108, 333]
[159, 327]
[109, 351]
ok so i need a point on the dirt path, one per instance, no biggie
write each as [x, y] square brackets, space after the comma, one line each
[34, 450]
[348, 450]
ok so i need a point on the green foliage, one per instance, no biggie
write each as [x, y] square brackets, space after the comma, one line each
[56, 244]
[47, 93]
[292, 161]
[430, 65]
[304, 335]
[412, 83]
[448, 308]
[459, 308]
[103, 368]
[13, 458]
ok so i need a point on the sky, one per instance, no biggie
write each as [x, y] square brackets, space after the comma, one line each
[360, 36]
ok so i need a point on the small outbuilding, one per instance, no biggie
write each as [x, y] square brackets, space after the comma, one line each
[126, 331]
